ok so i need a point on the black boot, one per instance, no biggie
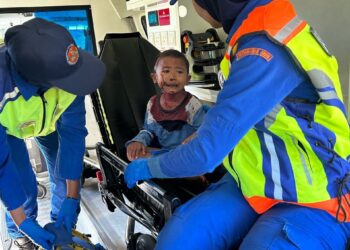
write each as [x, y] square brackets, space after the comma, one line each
[23, 243]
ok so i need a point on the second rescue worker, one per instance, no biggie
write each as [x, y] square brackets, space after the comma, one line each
[43, 80]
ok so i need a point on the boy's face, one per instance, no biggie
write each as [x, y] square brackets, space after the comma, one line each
[171, 75]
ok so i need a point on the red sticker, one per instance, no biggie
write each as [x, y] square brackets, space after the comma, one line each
[164, 17]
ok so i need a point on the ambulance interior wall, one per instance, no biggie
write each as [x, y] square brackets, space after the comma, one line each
[331, 20]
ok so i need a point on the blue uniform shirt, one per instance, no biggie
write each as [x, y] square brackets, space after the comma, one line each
[255, 85]
[70, 128]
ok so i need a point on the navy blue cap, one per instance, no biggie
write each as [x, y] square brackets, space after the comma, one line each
[44, 53]
[172, 2]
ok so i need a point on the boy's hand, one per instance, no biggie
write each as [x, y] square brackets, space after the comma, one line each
[136, 150]
[189, 138]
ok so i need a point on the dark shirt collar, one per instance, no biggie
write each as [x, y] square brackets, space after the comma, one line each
[25, 88]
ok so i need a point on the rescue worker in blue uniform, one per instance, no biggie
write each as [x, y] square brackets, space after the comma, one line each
[44, 77]
[279, 126]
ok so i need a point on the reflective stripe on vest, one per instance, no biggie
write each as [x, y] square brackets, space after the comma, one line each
[36, 116]
[291, 157]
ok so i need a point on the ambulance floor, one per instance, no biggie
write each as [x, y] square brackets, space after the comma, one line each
[105, 227]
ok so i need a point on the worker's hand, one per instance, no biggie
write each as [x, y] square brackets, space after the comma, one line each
[37, 234]
[68, 214]
[136, 150]
[136, 171]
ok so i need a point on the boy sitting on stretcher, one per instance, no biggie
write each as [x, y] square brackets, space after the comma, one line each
[172, 117]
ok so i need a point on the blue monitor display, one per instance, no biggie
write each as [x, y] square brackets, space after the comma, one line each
[76, 19]
[153, 18]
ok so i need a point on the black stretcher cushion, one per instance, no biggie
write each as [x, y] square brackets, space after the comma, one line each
[127, 87]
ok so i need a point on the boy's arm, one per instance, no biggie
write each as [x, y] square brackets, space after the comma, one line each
[189, 138]
[197, 112]
[146, 135]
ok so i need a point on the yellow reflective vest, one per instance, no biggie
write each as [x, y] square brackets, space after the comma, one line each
[295, 158]
[36, 116]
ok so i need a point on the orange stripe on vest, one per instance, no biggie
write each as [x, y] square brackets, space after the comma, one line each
[270, 18]
[262, 204]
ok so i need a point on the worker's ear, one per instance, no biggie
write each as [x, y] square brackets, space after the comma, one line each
[154, 77]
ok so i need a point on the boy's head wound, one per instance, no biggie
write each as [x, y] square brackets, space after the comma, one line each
[174, 54]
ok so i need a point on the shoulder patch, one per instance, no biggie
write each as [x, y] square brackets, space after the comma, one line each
[254, 52]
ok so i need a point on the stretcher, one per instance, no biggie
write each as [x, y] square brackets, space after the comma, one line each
[119, 107]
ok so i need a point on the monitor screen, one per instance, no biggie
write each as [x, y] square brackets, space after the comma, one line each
[153, 18]
[76, 19]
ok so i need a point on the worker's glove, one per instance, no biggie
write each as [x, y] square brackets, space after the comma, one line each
[136, 171]
[68, 214]
[37, 234]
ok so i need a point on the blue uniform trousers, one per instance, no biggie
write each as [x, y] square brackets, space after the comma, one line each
[48, 146]
[220, 218]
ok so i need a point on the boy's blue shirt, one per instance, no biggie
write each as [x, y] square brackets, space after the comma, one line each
[255, 85]
[170, 139]
[70, 127]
